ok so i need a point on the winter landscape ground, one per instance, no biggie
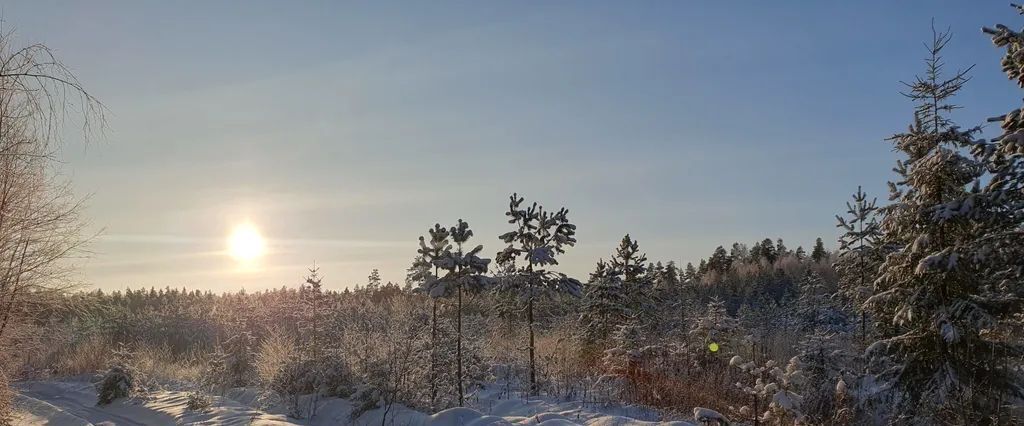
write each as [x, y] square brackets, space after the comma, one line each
[913, 316]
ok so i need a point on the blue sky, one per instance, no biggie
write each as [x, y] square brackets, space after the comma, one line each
[344, 130]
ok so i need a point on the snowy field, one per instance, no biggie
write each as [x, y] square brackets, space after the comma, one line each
[73, 403]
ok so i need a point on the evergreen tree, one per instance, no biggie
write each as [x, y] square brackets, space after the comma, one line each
[720, 261]
[780, 248]
[815, 306]
[818, 253]
[768, 251]
[605, 305]
[825, 361]
[427, 277]
[464, 272]
[942, 299]
[859, 253]
[628, 263]
[800, 253]
[690, 275]
[739, 252]
[669, 277]
[314, 313]
[373, 281]
[715, 326]
[539, 236]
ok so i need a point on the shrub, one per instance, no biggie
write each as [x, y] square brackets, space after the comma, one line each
[335, 378]
[198, 401]
[120, 380]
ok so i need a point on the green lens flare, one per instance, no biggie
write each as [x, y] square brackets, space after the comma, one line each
[713, 347]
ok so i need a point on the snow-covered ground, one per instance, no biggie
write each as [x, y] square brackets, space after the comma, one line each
[73, 403]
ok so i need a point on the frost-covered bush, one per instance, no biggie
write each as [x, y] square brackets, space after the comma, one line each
[121, 378]
[335, 378]
[364, 399]
[707, 416]
[293, 379]
[771, 390]
[198, 401]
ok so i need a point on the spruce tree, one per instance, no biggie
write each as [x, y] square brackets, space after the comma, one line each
[943, 297]
[628, 264]
[539, 236]
[859, 253]
[605, 305]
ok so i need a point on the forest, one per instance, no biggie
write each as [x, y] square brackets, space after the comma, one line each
[916, 316]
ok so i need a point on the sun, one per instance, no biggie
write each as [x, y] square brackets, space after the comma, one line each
[245, 243]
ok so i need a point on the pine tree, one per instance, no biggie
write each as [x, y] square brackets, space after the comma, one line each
[780, 248]
[669, 277]
[800, 253]
[739, 252]
[720, 261]
[464, 272]
[427, 277]
[943, 298]
[690, 275]
[859, 253]
[373, 281]
[539, 236]
[768, 251]
[818, 253]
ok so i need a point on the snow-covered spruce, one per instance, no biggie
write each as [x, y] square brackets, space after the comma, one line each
[121, 380]
[953, 280]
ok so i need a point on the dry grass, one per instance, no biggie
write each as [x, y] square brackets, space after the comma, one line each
[160, 364]
[274, 351]
[86, 357]
[6, 395]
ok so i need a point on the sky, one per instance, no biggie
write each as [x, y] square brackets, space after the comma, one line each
[342, 131]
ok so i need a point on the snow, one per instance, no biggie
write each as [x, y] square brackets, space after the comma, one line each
[701, 414]
[73, 403]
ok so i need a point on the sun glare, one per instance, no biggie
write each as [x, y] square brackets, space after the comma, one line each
[245, 243]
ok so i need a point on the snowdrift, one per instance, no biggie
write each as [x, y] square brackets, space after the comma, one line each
[73, 403]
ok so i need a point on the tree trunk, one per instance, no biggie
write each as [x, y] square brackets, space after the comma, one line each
[458, 347]
[433, 355]
[533, 365]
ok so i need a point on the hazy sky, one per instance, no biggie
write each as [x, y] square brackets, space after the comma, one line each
[343, 131]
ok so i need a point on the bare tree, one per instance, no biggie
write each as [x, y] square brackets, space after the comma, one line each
[40, 225]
